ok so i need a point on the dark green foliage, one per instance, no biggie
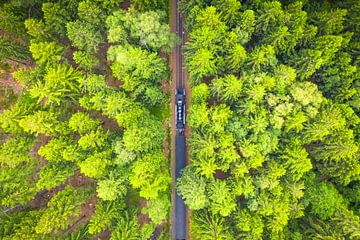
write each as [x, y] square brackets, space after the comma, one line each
[10, 50]
[323, 198]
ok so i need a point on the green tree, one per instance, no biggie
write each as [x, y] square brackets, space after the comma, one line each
[202, 64]
[262, 57]
[230, 11]
[40, 122]
[330, 22]
[94, 166]
[158, 208]
[250, 225]
[46, 52]
[296, 160]
[53, 151]
[209, 226]
[15, 151]
[84, 35]
[63, 210]
[143, 139]
[10, 50]
[149, 175]
[348, 222]
[94, 139]
[322, 198]
[105, 214]
[236, 57]
[82, 122]
[60, 82]
[135, 66]
[127, 227]
[228, 88]
[86, 60]
[221, 199]
[21, 189]
[54, 174]
[112, 187]
[192, 188]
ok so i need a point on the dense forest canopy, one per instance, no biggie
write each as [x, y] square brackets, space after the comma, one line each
[82, 138]
[274, 119]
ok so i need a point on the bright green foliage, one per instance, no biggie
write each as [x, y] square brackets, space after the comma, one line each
[93, 139]
[229, 10]
[323, 199]
[93, 83]
[91, 12]
[200, 93]
[105, 213]
[123, 156]
[63, 209]
[85, 59]
[274, 100]
[145, 28]
[191, 187]
[40, 122]
[88, 116]
[138, 138]
[249, 224]
[246, 26]
[158, 208]
[149, 175]
[10, 118]
[296, 160]
[53, 151]
[37, 29]
[201, 65]
[83, 35]
[15, 151]
[134, 64]
[228, 88]
[60, 83]
[82, 123]
[55, 17]
[53, 24]
[94, 166]
[221, 199]
[126, 228]
[19, 189]
[112, 187]
[261, 58]
[208, 226]
[236, 57]
[46, 52]
[54, 174]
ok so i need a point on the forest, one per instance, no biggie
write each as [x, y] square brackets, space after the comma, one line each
[84, 119]
[274, 118]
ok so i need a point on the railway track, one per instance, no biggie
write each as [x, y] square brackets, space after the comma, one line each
[180, 212]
